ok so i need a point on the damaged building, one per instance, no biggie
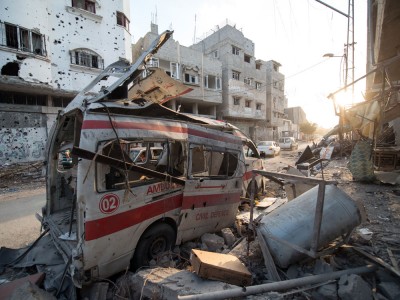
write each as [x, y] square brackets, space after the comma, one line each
[49, 51]
[228, 82]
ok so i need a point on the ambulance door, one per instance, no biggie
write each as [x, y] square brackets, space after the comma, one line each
[212, 191]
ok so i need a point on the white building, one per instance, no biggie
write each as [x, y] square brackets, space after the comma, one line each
[49, 51]
[199, 72]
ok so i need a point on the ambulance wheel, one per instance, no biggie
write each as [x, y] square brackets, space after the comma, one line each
[156, 239]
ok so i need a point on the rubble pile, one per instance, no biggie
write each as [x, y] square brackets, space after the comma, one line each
[21, 172]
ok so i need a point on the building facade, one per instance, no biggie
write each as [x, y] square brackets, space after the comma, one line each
[243, 79]
[200, 72]
[49, 51]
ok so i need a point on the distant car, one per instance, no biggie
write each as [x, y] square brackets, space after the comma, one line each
[268, 148]
[288, 143]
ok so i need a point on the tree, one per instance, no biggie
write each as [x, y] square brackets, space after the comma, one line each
[308, 128]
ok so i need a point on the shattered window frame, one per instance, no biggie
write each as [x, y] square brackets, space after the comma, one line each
[122, 20]
[88, 5]
[86, 58]
[236, 100]
[235, 75]
[191, 79]
[23, 39]
[212, 162]
[174, 69]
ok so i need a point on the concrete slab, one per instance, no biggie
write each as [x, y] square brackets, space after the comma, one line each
[166, 283]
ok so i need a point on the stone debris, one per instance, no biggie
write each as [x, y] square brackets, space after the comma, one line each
[213, 242]
[164, 283]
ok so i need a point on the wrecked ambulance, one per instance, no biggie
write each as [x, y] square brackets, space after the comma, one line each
[109, 210]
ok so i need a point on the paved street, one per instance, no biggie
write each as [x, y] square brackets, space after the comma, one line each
[18, 224]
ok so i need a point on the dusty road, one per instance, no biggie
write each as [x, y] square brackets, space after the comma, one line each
[18, 224]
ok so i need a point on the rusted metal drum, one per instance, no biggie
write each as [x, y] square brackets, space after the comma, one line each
[294, 223]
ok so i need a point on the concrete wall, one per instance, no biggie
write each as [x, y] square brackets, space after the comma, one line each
[23, 133]
[24, 128]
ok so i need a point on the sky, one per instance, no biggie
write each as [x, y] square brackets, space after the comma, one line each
[295, 33]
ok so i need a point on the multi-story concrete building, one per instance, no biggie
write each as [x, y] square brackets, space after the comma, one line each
[276, 100]
[243, 79]
[196, 70]
[296, 114]
[49, 51]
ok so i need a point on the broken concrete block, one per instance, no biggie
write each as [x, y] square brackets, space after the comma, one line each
[326, 292]
[322, 267]
[223, 267]
[165, 283]
[353, 287]
[391, 290]
[228, 236]
[213, 241]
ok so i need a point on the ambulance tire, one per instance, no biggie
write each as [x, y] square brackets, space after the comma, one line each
[158, 238]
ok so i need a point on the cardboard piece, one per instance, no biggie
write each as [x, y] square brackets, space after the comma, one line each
[222, 267]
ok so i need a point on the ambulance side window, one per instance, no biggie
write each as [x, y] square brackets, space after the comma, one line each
[212, 162]
[141, 153]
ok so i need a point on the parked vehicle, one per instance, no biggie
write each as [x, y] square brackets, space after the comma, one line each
[108, 212]
[268, 148]
[288, 143]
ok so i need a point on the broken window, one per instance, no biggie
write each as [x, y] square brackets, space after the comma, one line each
[193, 79]
[23, 99]
[236, 100]
[212, 82]
[248, 81]
[122, 20]
[22, 39]
[235, 50]
[247, 58]
[87, 58]
[235, 75]
[88, 5]
[161, 156]
[248, 103]
[61, 101]
[258, 106]
[218, 82]
[11, 36]
[258, 66]
[174, 70]
[258, 85]
[212, 162]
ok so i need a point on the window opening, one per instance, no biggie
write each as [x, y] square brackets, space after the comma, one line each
[236, 75]
[122, 20]
[212, 162]
[88, 5]
[235, 50]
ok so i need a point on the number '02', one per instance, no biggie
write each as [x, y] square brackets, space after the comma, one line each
[109, 203]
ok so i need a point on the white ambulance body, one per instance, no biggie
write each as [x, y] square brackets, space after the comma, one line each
[107, 212]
